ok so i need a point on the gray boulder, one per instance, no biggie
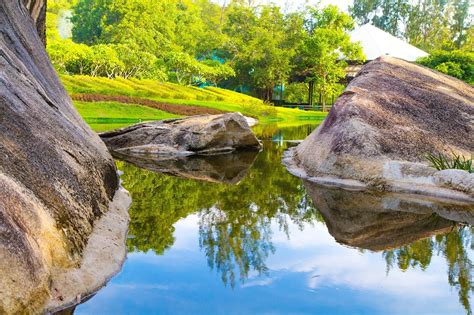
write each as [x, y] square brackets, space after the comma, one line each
[380, 129]
[37, 10]
[57, 178]
[203, 135]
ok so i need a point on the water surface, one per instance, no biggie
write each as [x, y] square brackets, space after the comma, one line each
[242, 236]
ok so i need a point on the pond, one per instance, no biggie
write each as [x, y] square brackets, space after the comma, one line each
[240, 235]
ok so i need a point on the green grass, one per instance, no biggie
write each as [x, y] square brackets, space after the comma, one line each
[103, 116]
[171, 93]
[455, 161]
[114, 110]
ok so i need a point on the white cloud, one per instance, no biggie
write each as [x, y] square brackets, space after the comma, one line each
[313, 251]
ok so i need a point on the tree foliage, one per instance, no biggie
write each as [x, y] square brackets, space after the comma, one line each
[325, 49]
[195, 42]
[428, 24]
[456, 63]
[239, 45]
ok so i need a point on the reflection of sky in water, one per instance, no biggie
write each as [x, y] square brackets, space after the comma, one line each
[309, 273]
[234, 228]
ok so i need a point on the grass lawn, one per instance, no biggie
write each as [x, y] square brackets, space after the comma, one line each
[114, 110]
[102, 116]
[170, 93]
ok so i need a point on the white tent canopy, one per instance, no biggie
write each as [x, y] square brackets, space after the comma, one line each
[376, 43]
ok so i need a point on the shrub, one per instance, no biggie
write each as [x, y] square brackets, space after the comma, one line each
[456, 63]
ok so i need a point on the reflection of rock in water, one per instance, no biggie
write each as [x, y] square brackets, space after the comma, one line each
[379, 221]
[225, 168]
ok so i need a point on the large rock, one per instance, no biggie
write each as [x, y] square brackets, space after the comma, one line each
[37, 9]
[383, 125]
[56, 177]
[380, 221]
[204, 135]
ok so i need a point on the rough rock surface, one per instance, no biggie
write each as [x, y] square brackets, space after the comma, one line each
[389, 117]
[56, 176]
[205, 135]
[37, 9]
[223, 168]
[381, 221]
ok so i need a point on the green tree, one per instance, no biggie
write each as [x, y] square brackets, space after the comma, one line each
[387, 15]
[459, 64]
[105, 61]
[428, 24]
[325, 49]
[363, 11]
[428, 27]
[89, 17]
[462, 20]
[139, 64]
[259, 46]
[57, 6]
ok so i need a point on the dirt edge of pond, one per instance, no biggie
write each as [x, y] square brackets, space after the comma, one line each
[102, 259]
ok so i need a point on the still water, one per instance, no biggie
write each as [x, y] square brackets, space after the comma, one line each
[240, 235]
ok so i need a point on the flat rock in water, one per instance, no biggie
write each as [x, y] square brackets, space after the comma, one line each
[57, 178]
[381, 128]
[204, 135]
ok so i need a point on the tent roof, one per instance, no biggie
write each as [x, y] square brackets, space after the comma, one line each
[376, 43]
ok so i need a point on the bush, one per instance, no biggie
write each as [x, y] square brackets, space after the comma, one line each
[456, 63]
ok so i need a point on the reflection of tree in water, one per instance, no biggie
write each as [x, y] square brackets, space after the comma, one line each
[241, 240]
[235, 243]
[235, 233]
[158, 202]
[235, 220]
[453, 246]
[272, 131]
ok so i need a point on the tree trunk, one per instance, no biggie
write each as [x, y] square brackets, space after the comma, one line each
[310, 93]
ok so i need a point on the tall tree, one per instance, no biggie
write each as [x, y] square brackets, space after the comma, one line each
[388, 15]
[428, 24]
[462, 20]
[326, 47]
[428, 27]
[363, 11]
[261, 46]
